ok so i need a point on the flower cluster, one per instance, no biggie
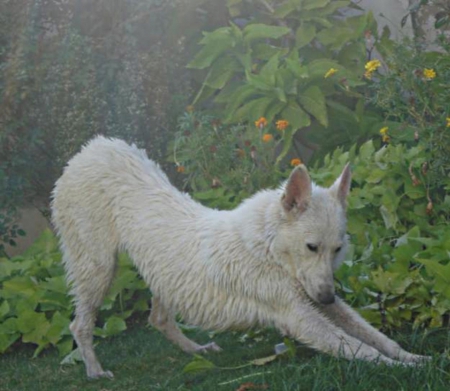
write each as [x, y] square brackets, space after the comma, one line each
[370, 67]
[429, 74]
[384, 135]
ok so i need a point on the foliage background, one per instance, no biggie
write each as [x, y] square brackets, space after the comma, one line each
[72, 70]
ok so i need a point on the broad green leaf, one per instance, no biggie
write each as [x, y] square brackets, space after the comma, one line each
[285, 9]
[254, 109]
[65, 346]
[4, 309]
[59, 326]
[113, 325]
[215, 43]
[312, 4]
[221, 72]
[441, 273]
[366, 151]
[259, 82]
[72, 358]
[390, 218]
[296, 116]
[199, 363]
[313, 101]
[268, 70]
[6, 340]
[264, 31]
[336, 37]
[299, 71]
[304, 35]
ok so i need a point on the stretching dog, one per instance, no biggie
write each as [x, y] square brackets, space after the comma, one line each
[270, 261]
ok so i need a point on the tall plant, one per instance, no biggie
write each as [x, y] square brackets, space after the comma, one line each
[296, 60]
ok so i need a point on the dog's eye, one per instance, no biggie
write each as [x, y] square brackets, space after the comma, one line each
[312, 247]
[337, 250]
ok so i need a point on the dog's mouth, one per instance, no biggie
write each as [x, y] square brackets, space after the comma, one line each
[325, 297]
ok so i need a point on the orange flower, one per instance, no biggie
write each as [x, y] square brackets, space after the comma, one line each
[181, 169]
[267, 137]
[296, 162]
[261, 123]
[282, 124]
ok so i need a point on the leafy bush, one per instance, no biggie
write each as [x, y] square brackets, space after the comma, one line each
[397, 270]
[35, 306]
[223, 164]
[413, 92]
[301, 61]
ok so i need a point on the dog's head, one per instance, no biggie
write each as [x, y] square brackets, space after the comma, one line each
[311, 242]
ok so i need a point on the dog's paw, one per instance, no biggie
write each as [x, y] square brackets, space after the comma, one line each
[212, 346]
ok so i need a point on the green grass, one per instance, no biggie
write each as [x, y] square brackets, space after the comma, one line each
[142, 359]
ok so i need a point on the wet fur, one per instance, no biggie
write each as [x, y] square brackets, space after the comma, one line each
[270, 261]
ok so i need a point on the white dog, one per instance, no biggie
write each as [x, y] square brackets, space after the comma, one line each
[270, 261]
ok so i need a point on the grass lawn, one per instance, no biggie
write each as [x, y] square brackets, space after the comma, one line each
[141, 359]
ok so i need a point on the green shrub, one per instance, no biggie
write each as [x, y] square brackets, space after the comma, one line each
[35, 306]
[300, 61]
[223, 164]
[412, 90]
[397, 270]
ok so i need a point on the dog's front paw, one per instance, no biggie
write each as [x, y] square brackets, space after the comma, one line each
[212, 346]
[416, 359]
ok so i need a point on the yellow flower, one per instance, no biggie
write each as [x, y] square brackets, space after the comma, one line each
[267, 137]
[383, 131]
[372, 65]
[282, 124]
[330, 72]
[448, 122]
[368, 75]
[261, 123]
[429, 73]
[386, 138]
[190, 109]
[296, 162]
[181, 169]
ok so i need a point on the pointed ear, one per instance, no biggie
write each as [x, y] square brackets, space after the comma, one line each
[297, 192]
[341, 187]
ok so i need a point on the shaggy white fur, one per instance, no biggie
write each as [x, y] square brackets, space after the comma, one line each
[270, 261]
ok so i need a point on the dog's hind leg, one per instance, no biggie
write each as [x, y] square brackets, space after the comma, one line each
[90, 279]
[353, 324]
[164, 321]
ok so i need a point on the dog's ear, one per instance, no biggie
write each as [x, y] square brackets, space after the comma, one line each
[341, 187]
[297, 192]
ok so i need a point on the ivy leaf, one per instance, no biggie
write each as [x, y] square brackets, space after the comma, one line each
[313, 101]
[198, 364]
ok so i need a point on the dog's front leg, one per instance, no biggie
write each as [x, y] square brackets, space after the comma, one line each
[353, 324]
[307, 324]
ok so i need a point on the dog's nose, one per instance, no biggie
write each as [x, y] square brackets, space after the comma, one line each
[326, 297]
